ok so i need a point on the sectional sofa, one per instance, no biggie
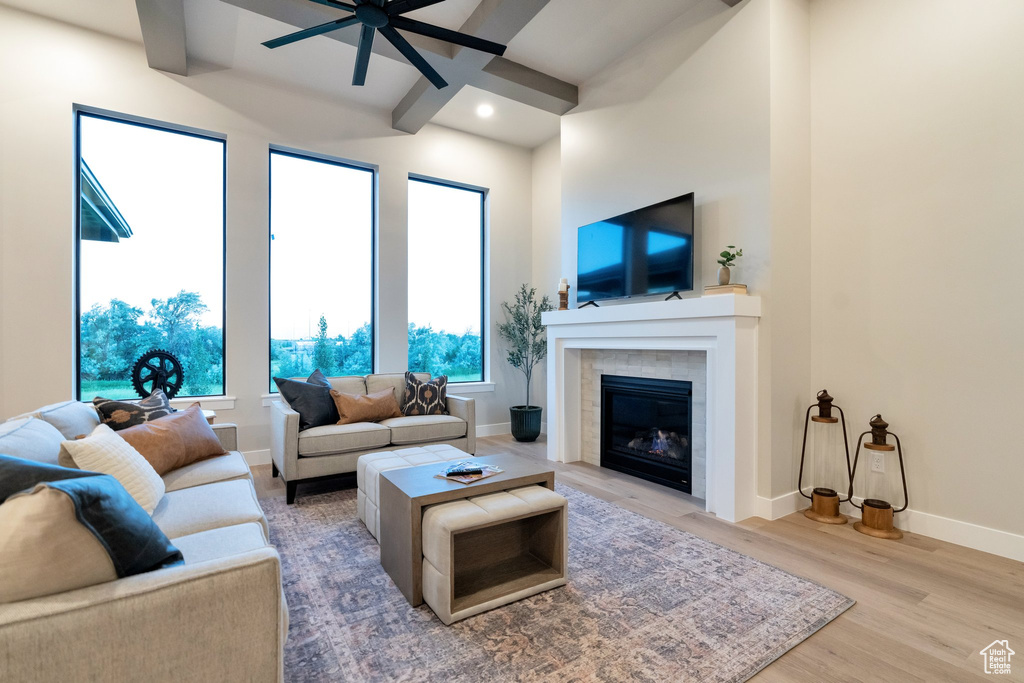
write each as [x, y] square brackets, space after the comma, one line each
[220, 616]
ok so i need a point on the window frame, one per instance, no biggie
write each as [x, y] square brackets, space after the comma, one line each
[374, 213]
[79, 111]
[485, 194]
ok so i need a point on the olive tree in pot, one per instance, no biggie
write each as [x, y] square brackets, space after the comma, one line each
[523, 333]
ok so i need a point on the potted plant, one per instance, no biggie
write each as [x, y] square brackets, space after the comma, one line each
[726, 259]
[527, 342]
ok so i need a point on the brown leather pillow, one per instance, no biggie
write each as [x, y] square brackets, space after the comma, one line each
[174, 440]
[366, 408]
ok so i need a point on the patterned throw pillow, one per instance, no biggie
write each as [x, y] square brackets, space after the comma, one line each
[425, 398]
[122, 414]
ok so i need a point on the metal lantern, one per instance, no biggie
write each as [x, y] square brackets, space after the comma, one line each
[876, 514]
[824, 501]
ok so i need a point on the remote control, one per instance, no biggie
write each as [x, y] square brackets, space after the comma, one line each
[459, 473]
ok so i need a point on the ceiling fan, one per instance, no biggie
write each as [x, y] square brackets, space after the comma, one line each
[386, 16]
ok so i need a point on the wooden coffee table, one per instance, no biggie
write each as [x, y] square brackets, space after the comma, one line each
[405, 492]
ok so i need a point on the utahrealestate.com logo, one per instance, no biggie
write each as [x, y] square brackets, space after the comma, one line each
[997, 657]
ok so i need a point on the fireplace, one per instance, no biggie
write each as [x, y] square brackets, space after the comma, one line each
[646, 427]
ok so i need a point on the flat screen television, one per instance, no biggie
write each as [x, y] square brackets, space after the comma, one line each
[647, 251]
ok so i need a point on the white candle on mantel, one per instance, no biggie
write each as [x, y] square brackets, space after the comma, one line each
[563, 285]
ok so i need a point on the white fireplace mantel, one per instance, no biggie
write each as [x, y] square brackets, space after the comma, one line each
[723, 326]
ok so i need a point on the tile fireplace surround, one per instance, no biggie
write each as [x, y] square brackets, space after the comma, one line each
[723, 327]
[661, 364]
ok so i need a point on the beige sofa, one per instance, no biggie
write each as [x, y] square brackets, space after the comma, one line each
[334, 449]
[220, 616]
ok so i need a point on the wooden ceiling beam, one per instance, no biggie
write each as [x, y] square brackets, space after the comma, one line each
[500, 21]
[163, 34]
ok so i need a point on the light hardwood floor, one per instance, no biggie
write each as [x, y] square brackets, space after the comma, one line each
[925, 608]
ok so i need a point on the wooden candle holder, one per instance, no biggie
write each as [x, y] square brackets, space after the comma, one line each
[876, 520]
[563, 300]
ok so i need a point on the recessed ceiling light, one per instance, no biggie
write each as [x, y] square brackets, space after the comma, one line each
[485, 111]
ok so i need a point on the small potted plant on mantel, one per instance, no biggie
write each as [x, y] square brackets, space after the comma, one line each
[726, 259]
[527, 342]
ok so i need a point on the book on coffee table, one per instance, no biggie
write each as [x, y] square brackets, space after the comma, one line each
[467, 471]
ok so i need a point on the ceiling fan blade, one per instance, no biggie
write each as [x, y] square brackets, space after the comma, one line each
[310, 32]
[463, 39]
[363, 55]
[336, 4]
[402, 6]
[414, 57]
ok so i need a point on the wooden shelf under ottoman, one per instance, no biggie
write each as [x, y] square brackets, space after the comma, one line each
[487, 551]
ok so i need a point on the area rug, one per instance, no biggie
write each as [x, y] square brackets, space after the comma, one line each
[645, 602]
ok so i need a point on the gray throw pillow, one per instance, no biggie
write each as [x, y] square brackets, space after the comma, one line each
[31, 439]
[310, 399]
[71, 418]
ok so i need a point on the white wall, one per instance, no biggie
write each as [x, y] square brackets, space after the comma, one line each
[867, 155]
[547, 238]
[687, 111]
[788, 306]
[58, 66]
[918, 161]
[547, 218]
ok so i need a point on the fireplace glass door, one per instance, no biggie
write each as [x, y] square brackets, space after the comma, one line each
[645, 428]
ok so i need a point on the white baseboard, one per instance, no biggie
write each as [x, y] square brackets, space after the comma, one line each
[257, 457]
[496, 429]
[774, 508]
[500, 428]
[986, 539]
[1002, 543]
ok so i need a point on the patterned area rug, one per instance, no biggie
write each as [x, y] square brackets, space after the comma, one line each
[645, 602]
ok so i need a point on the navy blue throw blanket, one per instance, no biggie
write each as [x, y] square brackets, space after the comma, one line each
[133, 541]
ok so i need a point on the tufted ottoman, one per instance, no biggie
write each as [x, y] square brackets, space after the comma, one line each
[369, 467]
[487, 551]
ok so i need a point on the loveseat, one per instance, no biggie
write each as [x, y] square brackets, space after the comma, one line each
[334, 449]
[219, 616]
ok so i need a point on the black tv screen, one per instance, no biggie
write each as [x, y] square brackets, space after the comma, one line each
[647, 251]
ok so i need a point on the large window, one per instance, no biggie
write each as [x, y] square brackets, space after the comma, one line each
[321, 267]
[446, 280]
[150, 254]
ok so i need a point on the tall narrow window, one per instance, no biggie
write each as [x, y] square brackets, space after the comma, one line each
[150, 254]
[321, 267]
[446, 291]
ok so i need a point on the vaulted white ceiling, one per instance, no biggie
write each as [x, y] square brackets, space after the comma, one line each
[116, 18]
[569, 40]
[574, 40]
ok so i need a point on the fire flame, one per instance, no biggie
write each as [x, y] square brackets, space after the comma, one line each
[659, 444]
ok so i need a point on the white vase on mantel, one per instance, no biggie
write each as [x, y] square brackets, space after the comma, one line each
[723, 275]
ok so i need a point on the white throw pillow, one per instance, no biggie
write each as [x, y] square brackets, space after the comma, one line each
[105, 452]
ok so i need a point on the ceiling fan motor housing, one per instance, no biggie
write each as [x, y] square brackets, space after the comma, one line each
[385, 16]
[371, 15]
